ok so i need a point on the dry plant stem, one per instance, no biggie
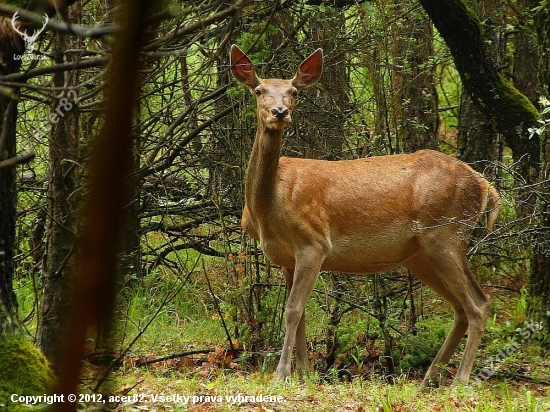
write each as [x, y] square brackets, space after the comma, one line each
[218, 309]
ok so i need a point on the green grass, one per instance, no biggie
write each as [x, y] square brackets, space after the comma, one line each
[181, 322]
[189, 321]
[358, 395]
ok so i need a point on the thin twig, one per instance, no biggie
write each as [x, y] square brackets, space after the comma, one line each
[229, 340]
[519, 377]
[61, 27]
[173, 356]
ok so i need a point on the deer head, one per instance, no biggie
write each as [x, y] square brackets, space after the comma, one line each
[29, 40]
[276, 98]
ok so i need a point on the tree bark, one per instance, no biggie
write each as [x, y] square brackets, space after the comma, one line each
[58, 274]
[10, 44]
[326, 133]
[525, 77]
[539, 285]
[479, 143]
[419, 104]
[511, 113]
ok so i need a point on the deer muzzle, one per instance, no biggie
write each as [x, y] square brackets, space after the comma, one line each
[280, 113]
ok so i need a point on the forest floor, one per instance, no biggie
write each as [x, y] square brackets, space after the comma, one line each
[229, 390]
[224, 380]
[200, 372]
[221, 381]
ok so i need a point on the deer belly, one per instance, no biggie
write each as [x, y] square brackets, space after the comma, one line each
[372, 255]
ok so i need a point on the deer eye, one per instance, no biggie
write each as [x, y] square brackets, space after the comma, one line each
[295, 93]
[258, 92]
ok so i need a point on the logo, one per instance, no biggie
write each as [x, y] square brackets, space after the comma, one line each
[29, 40]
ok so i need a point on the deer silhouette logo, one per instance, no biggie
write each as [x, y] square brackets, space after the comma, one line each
[29, 40]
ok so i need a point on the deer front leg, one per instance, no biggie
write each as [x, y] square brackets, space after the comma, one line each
[304, 278]
[301, 344]
[301, 348]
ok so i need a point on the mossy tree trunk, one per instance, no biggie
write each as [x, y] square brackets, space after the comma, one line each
[479, 142]
[508, 110]
[539, 288]
[10, 44]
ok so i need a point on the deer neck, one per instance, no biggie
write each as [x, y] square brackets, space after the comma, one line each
[261, 179]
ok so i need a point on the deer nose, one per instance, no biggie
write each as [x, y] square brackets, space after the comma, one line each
[279, 112]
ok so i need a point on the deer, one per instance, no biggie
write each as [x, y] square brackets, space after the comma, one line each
[361, 216]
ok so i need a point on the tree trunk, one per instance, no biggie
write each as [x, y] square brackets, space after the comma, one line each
[525, 75]
[10, 44]
[381, 136]
[539, 287]
[58, 275]
[503, 105]
[8, 199]
[479, 143]
[323, 123]
[419, 104]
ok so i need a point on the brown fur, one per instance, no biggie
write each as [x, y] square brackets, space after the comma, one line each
[361, 216]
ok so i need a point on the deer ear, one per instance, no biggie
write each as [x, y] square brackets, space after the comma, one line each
[309, 72]
[243, 68]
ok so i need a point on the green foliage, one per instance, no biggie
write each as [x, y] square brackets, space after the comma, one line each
[254, 43]
[184, 318]
[349, 333]
[23, 370]
[416, 352]
[544, 123]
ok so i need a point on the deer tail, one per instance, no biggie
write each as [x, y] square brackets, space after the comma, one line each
[494, 206]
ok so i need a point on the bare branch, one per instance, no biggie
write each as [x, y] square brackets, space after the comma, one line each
[14, 161]
[60, 27]
[82, 64]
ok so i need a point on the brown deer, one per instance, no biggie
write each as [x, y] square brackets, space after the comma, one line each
[361, 216]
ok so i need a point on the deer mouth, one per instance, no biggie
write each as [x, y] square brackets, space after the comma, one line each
[279, 124]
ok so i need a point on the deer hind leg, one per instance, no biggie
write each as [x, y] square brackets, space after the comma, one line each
[301, 344]
[304, 277]
[478, 308]
[450, 277]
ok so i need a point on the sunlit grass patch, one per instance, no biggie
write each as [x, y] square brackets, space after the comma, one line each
[226, 388]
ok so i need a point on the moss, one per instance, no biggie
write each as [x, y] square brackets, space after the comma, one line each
[517, 101]
[24, 370]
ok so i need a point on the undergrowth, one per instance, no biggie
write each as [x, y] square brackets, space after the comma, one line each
[180, 314]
